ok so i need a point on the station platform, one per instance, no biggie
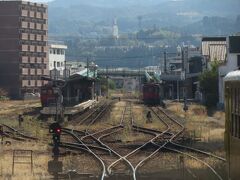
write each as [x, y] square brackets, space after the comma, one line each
[69, 110]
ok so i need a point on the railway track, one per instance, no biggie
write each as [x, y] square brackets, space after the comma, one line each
[90, 116]
[141, 154]
[86, 140]
[98, 145]
[15, 134]
[193, 153]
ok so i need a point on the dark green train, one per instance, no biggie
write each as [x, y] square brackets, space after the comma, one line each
[232, 125]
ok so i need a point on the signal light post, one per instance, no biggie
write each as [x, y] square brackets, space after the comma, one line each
[55, 166]
[55, 129]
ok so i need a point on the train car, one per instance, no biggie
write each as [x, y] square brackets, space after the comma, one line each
[48, 96]
[232, 124]
[152, 94]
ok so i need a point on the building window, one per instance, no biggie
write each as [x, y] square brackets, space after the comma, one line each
[54, 51]
[238, 60]
[51, 51]
[58, 64]
[58, 51]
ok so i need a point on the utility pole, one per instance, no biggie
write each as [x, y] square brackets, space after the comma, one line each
[165, 61]
[178, 96]
[87, 67]
[107, 80]
[65, 70]
[183, 62]
[55, 71]
[139, 77]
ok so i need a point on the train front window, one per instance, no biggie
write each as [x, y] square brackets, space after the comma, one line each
[50, 92]
[44, 92]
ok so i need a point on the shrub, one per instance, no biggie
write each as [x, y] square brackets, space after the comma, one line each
[3, 95]
[209, 85]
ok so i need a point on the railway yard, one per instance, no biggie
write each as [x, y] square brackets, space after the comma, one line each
[114, 140]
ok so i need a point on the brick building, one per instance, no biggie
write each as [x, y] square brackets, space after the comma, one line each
[23, 46]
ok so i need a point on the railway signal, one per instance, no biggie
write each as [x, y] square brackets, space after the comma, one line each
[55, 129]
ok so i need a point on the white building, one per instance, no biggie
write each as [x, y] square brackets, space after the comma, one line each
[232, 63]
[57, 57]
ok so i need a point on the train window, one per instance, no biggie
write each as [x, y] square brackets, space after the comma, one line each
[232, 100]
[150, 90]
[232, 125]
[236, 126]
[44, 91]
[235, 100]
[50, 92]
[238, 101]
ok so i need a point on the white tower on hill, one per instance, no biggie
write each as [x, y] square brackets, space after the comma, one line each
[115, 29]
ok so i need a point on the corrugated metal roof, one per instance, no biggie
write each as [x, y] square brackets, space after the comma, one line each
[215, 50]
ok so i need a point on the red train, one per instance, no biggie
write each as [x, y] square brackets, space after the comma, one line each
[48, 96]
[152, 94]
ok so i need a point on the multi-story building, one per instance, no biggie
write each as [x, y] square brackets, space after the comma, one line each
[23, 46]
[57, 57]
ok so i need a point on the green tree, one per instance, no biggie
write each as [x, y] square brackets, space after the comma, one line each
[3, 94]
[111, 84]
[209, 84]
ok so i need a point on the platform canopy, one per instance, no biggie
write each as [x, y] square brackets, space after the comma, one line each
[84, 74]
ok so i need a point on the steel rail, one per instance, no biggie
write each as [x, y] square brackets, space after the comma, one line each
[156, 135]
[197, 159]
[80, 145]
[91, 114]
[108, 134]
[170, 141]
[16, 132]
[91, 152]
[190, 148]
[103, 109]
[99, 140]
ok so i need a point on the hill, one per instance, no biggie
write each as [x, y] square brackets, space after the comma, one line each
[84, 17]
